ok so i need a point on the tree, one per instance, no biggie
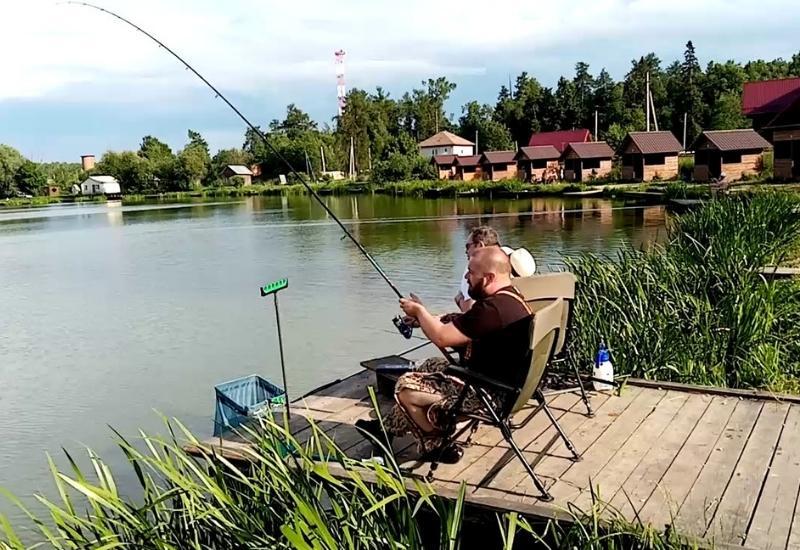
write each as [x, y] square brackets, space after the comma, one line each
[727, 114]
[132, 171]
[30, 178]
[690, 101]
[584, 91]
[492, 135]
[567, 108]
[634, 91]
[161, 159]
[295, 124]
[608, 101]
[193, 163]
[10, 161]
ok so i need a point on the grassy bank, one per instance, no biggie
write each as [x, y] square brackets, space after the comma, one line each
[696, 309]
[293, 501]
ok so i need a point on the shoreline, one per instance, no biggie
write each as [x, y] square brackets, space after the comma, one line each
[659, 192]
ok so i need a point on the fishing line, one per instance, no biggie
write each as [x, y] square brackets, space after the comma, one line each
[258, 132]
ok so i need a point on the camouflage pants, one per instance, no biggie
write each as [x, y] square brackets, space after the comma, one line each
[430, 378]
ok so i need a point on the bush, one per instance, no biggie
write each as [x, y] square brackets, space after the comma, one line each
[696, 309]
[686, 167]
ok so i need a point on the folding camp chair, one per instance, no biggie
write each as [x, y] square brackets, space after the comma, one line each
[540, 291]
[545, 326]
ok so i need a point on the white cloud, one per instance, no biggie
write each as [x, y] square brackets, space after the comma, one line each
[73, 53]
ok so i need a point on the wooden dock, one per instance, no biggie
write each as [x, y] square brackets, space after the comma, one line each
[719, 465]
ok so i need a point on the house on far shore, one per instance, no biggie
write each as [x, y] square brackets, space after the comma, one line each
[763, 100]
[538, 163]
[785, 132]
[734, 153]
[444, 166]
[468, 168]
[446, 143]
[560, 139]
[101, 185]
[586, 161]
[238, 171]
[499, 165]
[650, 155]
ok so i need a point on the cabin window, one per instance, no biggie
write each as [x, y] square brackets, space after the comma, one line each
[627, 160]
[701, 157]
[655, 159]
[783, 149]
[731, 157]
[591, 163]
[469, 169]
[539, 163]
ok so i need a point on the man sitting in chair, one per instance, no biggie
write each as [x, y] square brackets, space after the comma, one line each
[494, 335]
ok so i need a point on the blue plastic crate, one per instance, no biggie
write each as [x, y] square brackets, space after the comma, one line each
[242, 399]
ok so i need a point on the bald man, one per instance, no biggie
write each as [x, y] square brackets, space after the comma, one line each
[494, 334]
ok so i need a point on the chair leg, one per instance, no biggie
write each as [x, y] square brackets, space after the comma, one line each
[506, 431]
[584, 397]
[539, 397]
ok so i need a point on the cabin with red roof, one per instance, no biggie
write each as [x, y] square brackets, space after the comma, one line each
[587, 161]
[443, 164]
[648, 156]
[735, 153]
[764, 100]
[499, 165]
[538, 163]
[560, 139]
[468, 168]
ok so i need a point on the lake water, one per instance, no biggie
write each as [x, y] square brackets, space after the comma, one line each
[109, 313]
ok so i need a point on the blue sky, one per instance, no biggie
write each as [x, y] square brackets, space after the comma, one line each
[79, 82]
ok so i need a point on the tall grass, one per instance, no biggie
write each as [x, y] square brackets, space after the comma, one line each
[282, 499]
[696, 309]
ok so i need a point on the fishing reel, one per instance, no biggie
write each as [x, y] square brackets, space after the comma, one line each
[401, 325]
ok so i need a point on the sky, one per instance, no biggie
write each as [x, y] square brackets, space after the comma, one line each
[76, 81]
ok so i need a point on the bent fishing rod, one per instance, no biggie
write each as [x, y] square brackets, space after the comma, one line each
[267, 142]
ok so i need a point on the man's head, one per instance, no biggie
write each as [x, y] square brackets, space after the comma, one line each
[480, 237]
[489, 270]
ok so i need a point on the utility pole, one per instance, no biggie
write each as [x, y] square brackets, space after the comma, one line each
[322, 156]
[476, 143]
[595, 124]
[369, 157]
[647, 99]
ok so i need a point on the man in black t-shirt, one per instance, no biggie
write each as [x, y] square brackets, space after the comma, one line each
[494, 336]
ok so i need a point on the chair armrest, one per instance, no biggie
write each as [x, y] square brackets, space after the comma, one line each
[479, 379]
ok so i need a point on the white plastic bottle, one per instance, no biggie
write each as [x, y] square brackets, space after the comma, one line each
[603, 370]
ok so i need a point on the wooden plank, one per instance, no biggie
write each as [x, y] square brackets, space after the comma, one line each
[580, 474]
[736, 507]
[644, 479]
[698, 509]
[515, 472]
[557, 461]
[772, 520]
[715, 390]
[671, 491]
[610, 477]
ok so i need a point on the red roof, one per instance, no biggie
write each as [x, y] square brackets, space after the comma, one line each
[561, 138]
[540, 152]
[499, 157]
[769, 96]
[593, 150]
[443, 160]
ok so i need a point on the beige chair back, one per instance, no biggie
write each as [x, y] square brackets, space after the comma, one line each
[544, 335]
[540, 290]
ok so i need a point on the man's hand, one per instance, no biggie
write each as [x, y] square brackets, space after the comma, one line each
[411, 307]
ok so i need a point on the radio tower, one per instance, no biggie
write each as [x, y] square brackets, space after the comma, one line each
[341, 92]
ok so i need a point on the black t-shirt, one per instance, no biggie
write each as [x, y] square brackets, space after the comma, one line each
[499, 327]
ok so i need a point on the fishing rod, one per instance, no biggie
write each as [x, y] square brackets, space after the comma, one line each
[404, 329]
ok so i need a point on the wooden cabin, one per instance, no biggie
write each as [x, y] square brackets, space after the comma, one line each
[468, 168]
[785, 130]
[734, 153]
[538, 163]
[560, 138]
[499, 165]
[234, 173]
[647, 156]
[444, 166]
[587, 161]
[763, 100]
